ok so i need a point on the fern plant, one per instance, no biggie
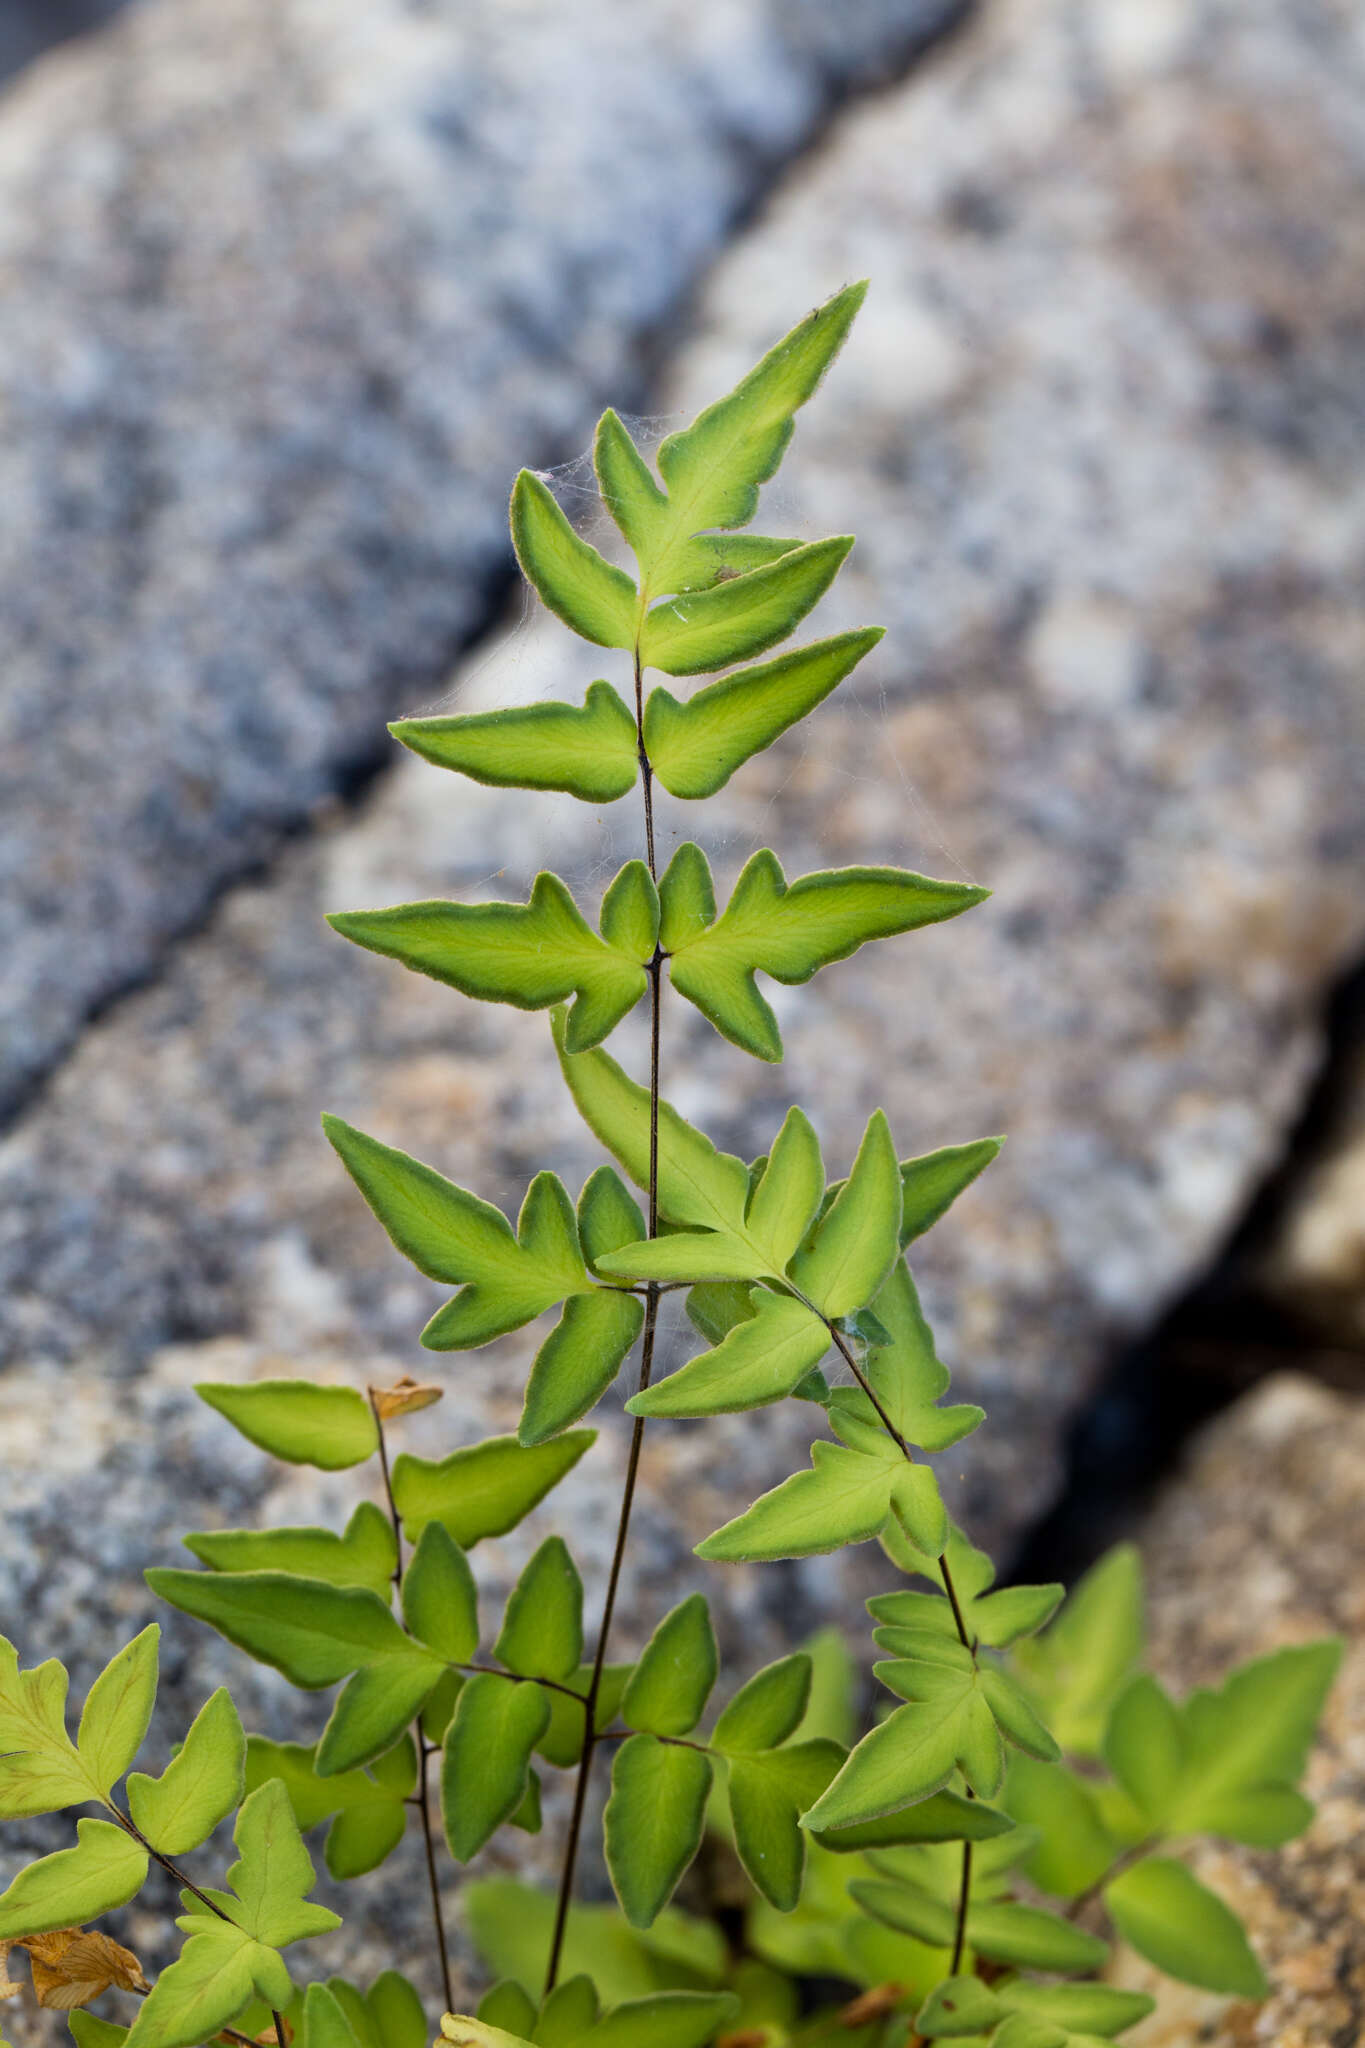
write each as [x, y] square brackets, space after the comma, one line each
[1020, 1755]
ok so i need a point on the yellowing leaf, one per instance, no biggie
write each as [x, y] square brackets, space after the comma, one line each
[404, 1397]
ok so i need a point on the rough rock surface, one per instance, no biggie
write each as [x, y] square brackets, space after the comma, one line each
[1313, 1262]
[287, 292]
[1254, 1546]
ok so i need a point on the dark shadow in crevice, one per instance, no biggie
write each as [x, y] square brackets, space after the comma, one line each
[28, 27]
[1220, 1340]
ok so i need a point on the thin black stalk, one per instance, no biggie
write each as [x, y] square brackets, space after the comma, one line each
[394, 1516]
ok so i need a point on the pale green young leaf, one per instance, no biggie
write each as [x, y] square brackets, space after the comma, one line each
[1079, 2008]
[844, 1498]
[597, 601]
[690, 1255]
[696, 746]
[698, 631]
[1144, 1746]
[906, 1374]
[712, 469]
[905, 1758]
[697, 1184]
[39, 1768]
[760, 1361]
[630, 916]
[529, 955]
[769, 1791]
[672, 1682]
[790, 931]
[314, 1633]
[942, 1817]
[390, 2014]
[487, 1757]
[958, 2006]
[567, 2013]
[118, 1710]
[918, 1506]
[454, 1236]
[855, 1245]
[1168, 1916]
[667, 2019]
[367, 1808]
[1075, 1848]
[509, 2007]
[1032, 1938]
[274, 1874]
[1015, 1717]
[768, 1709]
[374, 1707]
[687, 898]
[459, 2031]
[325, 2024]
[788, 1193]
[485, 1489]
[579, 1360]
[364, 1555]
[105, 1869]
[90, 2032]
[200, 1786]
[715, 1307]
[591, 750]
[630, 491]
[608, 1215]
[440, 1599]
[653, 1822]
[932, 1183]
[1246, 1746]
[1078, 1668]
[542, 1626]
[206, 1987]
[298, 1421]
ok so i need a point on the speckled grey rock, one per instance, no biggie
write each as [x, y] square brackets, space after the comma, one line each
[1253, 1546]
[287, 291]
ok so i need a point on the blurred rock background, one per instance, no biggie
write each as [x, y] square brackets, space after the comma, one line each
[290, 289]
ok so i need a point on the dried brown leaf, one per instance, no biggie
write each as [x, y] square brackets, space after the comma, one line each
[71, 1966]
[8, 1987]
[873, 2005]
[405, 1397]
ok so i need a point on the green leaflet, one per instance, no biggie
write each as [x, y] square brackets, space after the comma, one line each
[591, 751]
[317, 1634]
[693, 1255]
[599, 602]
[89, 2032]
[578, 1361]
[1024, 1935]
[788, 1192]
[1077, 1669]
[542, 1627]
[1075, 1849]
[768, 1709]
[325, 2022]
[562, 1742]
[39, 1768]
[486, 1765]
[567, 2013]
[994, 1618]
[855, 1243]
[388, 2016]
[105, 1869]
[484, 1490]
[698, 631]
[932, 1183]
[1178, 1924]
[215, 1975]
[906, 1374]
[440, 1599]
[712, 469]
[768, 1794]
[669, 2019]
[365, 1555]
[1144, 1747]
[366, 1807]
[653, 1822]
[695, 747]
[942, 1817]
[529, 955]
[672, 1682]
[330, 1427]
[118, 1709]
[201, 1785]
[509, 2007]
[789, 931]
[608, 1215]
[844, 1498]
[964, 2005]
[697, 1184]
[914, 1753]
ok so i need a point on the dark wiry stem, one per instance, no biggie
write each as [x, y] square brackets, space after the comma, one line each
[652, 1292]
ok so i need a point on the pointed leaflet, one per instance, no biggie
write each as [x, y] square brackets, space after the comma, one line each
[713, 468]
[844, 1498]
[788, 1192]
[487, 1758]
[964, 2005]
[942, 1817]
[440, 1600]
[759, 1362]
[790, 931]
[542, 1628]
[325, 2023]
[529, 955]
[330, 1427]
[206, 1987]
[914, 1753]
[201, 1785]
[994, 1618]
[768, 1794]
[653, 1822]
[367, 1807]
[105, 1869]
[578, 1361]
[364, 1555]
[39, 1768]
[768, 1709]
[1023, 1935]
[452, 1235]
[697, 1184]
[702, 630]
[855, 1244]
[673, 1679]
[1144, 1746]
[590, 751]
[1077, 1669]
[118, 1709]
[691, 1255]
[274, 1872]
[1246, 1746]
[568, 2012]
[906, 1374]
[932, 1183]
[1075, 1848]
[484, 1490]
[509, 2007]
[687, 898]
[1168, 1916]
[598, 601]
[388, 2016]
[695, 747]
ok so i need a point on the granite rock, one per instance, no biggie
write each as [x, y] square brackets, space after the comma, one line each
[1254, 1546]
[287, 291]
